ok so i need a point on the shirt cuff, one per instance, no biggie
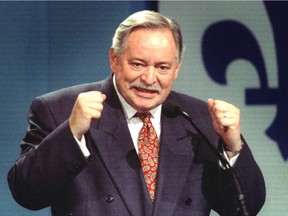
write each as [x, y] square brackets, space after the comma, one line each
[82, 146]
[232, 160]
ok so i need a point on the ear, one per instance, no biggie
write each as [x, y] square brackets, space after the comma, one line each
[113, 60]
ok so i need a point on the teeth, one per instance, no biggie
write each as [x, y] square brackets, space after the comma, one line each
[145, 90]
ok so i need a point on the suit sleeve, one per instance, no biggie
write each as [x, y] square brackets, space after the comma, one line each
[250, 180]
[50, 158]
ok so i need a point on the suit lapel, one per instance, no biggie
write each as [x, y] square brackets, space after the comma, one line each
[112, 138]
[175, 162]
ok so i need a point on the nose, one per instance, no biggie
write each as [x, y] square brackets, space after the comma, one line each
[149, 75]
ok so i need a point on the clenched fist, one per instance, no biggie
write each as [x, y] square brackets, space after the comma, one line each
[226, 122]
[88, 106]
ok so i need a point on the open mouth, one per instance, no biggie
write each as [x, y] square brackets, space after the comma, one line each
[145, 93]
[151, 91]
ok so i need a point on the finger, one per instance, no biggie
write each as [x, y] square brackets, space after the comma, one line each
[224, 115]
[90, 99]
[95, 113]
[210, 103]
[97, 96]
[97, 106]
[103, 97]
[224, 109]
[217, 107]
[228, 123]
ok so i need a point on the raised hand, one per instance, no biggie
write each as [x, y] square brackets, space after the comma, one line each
[88, 106]
[226, 122]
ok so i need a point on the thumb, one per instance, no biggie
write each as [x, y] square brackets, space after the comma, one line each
[210, 103]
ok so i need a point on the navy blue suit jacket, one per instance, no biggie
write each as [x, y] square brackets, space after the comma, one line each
[52, 170]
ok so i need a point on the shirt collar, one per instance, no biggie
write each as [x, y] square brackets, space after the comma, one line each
[129, 111]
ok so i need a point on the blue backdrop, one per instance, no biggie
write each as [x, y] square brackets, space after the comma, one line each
[235, 51]
[45, 46]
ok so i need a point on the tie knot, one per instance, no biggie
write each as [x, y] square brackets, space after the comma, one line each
[145, 117]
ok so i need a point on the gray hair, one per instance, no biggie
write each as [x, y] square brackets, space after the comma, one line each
[150, 20]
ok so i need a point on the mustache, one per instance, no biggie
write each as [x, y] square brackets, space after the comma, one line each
[139, 85]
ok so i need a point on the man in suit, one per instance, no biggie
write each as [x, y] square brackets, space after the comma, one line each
[80, 154]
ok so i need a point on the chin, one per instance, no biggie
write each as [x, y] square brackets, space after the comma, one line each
[146, 107]
[145, 104]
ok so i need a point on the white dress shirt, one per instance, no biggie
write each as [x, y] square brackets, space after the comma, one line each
[135, 124]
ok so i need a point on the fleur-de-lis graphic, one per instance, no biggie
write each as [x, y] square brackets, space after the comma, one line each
[226, 41]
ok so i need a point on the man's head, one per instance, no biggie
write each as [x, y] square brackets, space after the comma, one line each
[149, 20]
[145, 58]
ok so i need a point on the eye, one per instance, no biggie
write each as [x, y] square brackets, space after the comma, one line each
[136, 65]
[164, 68]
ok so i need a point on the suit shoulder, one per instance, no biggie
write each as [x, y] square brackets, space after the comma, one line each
[64, 98]
[187, 102]
[71, 91]
[59, 103]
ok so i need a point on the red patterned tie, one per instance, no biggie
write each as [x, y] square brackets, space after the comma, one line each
[148, 149]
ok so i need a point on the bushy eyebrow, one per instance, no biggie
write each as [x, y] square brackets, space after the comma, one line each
[157, 63]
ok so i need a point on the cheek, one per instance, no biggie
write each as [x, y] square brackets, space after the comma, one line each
[123, 81]
[126, 74]
[166, 82]
[129, 76]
